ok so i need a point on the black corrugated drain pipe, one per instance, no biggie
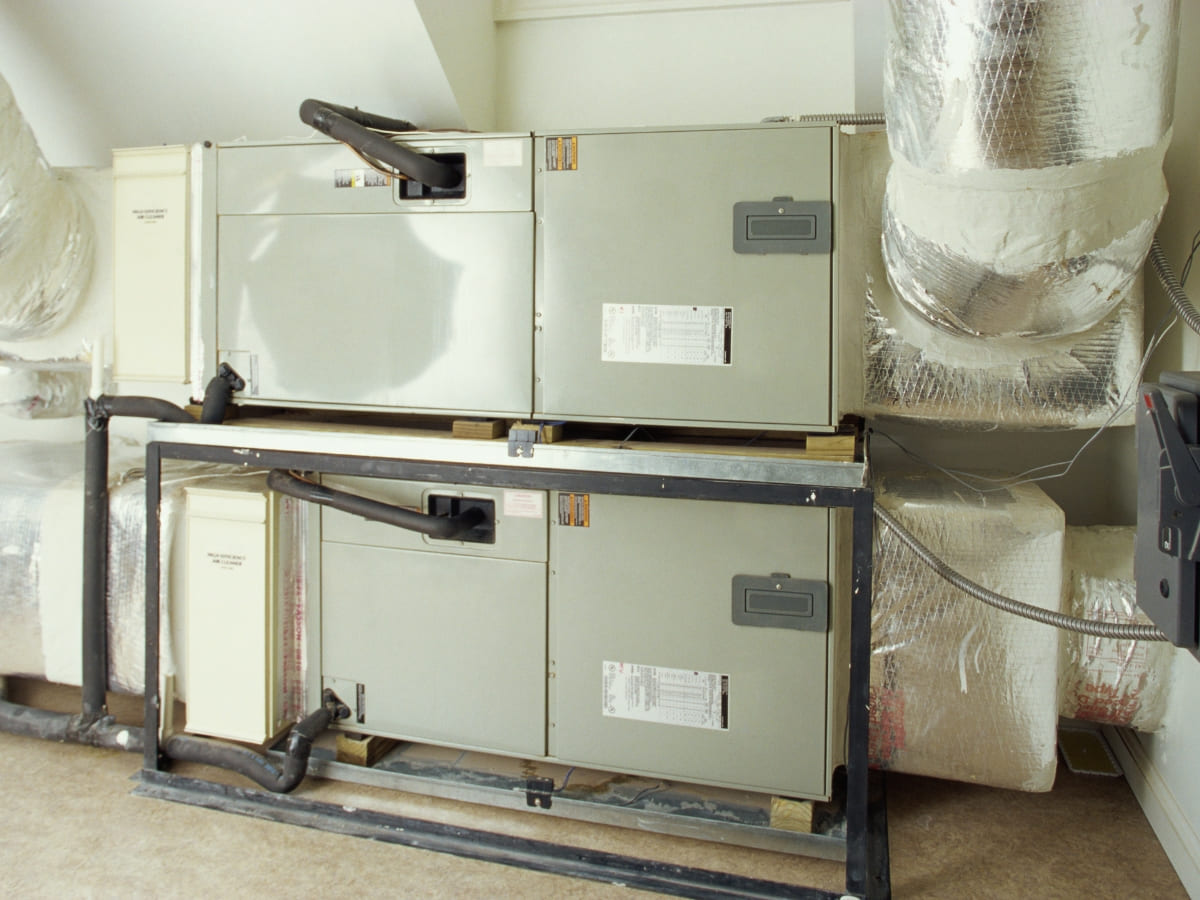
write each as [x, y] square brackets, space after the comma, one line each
[93, 725]
[259, 769]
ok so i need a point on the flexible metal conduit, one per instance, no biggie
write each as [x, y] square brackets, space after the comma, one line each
[1179, 300]
[1007, 604]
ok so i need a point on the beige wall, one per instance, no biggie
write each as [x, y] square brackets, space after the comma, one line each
[1171, 781]
[685, 67]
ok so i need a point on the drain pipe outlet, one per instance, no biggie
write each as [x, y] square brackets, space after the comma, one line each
[247, 762]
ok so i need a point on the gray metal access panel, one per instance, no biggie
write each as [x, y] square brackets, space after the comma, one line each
[674, 276]
[335, 289]
[685, 276]
[596, 630]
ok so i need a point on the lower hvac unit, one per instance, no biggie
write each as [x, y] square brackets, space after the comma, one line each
[650, 638]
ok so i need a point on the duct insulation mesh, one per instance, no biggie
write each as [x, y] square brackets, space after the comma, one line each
[961, 690]
[1104, 680]
[1027, 142]
[41, 564]
[43, 389]
[46, 239]
[915, 370]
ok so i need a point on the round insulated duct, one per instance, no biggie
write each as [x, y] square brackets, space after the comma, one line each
[1027, 140]
[46, 240]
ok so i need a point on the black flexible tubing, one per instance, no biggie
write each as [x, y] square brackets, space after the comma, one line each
[412, 165]
[94, 614]
[256, 767]
[445, 527]
[218, 393]
[1179, 300]
[364, 118]
[28, 721]
[1007, 604]
[143, 408]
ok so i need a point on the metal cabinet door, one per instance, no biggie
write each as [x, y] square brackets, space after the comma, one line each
[647, 583]
[405, 312]
[646, 312]
[438, 641]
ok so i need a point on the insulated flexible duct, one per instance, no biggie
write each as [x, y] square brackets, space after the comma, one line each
[46, 240]
[1015, 607]
[1027, 141]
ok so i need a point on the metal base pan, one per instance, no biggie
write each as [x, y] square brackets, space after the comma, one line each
[715, 814]
[539, 856]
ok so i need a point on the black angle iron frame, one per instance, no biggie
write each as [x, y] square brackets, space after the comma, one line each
[867, 858]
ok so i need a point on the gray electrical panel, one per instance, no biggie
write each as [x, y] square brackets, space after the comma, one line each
[648, 310]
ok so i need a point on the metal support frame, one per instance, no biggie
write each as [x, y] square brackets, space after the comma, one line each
[867, 858]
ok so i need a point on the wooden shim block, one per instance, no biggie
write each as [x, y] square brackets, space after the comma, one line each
[838, 447]
[548, 432]
[792, 815]
[363, 750]
[479, 429]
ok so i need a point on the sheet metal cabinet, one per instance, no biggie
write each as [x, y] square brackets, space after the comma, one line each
[786, 510]
[657, 302]
[333, 289]
[445, 641]
[440, 641]
[662, 275]
[649, 583]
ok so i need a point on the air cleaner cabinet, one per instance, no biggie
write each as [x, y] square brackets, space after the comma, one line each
[336, 286]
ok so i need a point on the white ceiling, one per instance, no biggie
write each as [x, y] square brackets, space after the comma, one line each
[91, 76]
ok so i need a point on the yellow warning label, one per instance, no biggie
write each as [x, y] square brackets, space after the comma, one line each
[562, 154]
[574, 510]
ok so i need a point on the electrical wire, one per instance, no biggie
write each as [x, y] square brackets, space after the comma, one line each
[1047, 471]
[1116, 631]
[1113, 630]
[377, 165]
[1187, 265]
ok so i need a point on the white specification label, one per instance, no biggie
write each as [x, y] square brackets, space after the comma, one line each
[674, 335]
[525, 504]
[504, 153]
[666, 696]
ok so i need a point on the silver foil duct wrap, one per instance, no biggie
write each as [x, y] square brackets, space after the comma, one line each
[1028, 84]
[1102, 680]
[43, 389]
[46, 239]
[41, 566]
[959, 689]
[915, 370]
[1027, 138]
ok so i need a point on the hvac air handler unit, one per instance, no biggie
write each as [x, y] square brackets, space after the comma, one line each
[675, 608]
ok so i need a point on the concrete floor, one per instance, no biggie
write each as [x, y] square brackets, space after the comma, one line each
[71, 828]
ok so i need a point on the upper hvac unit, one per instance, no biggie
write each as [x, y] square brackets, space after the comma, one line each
[676, 276]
